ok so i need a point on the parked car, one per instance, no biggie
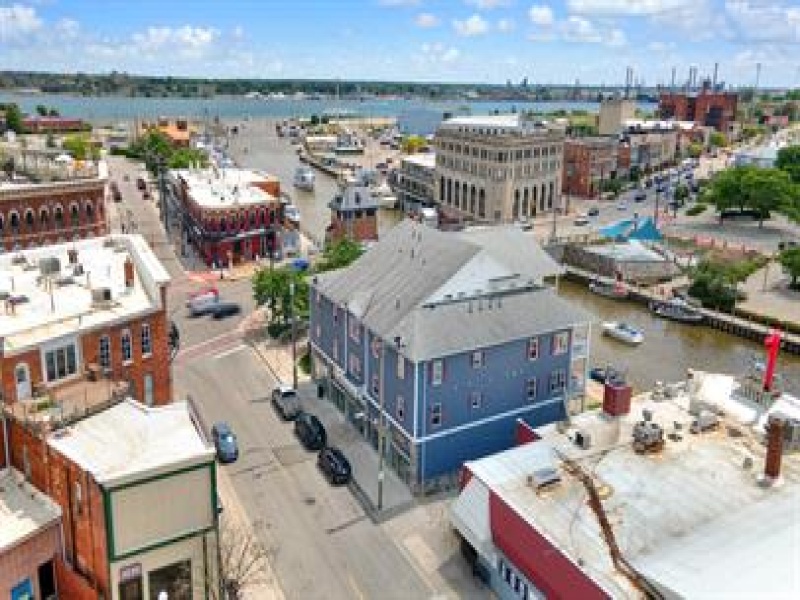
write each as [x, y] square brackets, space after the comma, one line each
[221, 310]
[225, 443]
[334, 465]
[593, 212]
[581, 220]
[286, 402]
[310, 431]
[640, 197]
[622, 205]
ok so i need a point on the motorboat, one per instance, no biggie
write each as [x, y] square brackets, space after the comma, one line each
[609, 290]
[304, 178]
[676, 309]
[623, 332]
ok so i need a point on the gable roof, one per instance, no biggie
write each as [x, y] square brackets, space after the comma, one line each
[426, 286]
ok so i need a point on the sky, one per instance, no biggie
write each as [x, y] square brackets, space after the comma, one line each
[481, 41]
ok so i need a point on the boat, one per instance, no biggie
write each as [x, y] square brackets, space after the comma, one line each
[675, 309]
[609, 290]
[291, 213]
[623, 332]
[384, 196]
[304, 178]
[605, 374]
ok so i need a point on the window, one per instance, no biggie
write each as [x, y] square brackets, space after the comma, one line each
[530, 388]
[401, 367]
[436, 414]
[376, 385]
[147, 341]
[376, 347]
[104, 355]
[558, 381]
[318, 330]
[61, 362]
[335, 314]
[336, 349]
[77, 498]
[533, 348]
[560, 343]
[400, 409]
[475, 400]
[175, 580]
[355, 329]
[355, 365]
[437, 372]
[477, 359]
[127, 350]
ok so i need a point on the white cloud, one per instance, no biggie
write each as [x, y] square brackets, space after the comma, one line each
[238, 32]
[17, 20]
[505, 25]
[185, 41]
[426, 20]
[627, 7]
[437, 54]
[488, 4]
[616, 38]
[578, 29]
[541, 14]
[475, 25]
[764, 21]
[68, 27]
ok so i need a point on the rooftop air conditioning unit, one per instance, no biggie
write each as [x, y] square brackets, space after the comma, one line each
[101, 297]
[109, 242]
[49, 265]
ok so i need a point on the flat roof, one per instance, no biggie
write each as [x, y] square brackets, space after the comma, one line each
[131, 441]
[24, 510]
[225, 187]
[66, 307]
[423, 159]
[692, 518]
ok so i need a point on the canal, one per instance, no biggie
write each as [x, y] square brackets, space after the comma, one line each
[668, 350]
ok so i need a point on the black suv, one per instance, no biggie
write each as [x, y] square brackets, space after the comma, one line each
[309, 429]
[334, 465]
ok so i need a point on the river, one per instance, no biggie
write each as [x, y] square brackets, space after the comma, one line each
[413, 115]
[668, 350]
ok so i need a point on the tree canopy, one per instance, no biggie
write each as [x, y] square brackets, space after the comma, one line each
[790, 261]
[154, 146]
[338, 255]
[789, 160]
[717, 139]
[749, 187]
[272, 287]
[80, 146]
[13, 117]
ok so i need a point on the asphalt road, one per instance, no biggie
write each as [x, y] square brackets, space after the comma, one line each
[321, 544]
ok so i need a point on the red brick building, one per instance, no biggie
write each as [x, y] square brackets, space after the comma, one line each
[229, 215]
[587, 163]
[36, 214]
[707, 108]
[354, 215]
[84, 320]
[52, 124]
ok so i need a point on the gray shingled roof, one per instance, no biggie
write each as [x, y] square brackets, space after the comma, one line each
[387, 287]
[462, 326]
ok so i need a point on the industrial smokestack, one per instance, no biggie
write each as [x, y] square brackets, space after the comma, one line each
[672, 86]
[714, 81]
[772, 467]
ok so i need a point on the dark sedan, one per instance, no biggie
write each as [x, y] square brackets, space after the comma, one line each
[334, 465]
[310, 430]
[225, 443]
[220, 310]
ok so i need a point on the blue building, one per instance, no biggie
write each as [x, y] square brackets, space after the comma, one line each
[446, 339]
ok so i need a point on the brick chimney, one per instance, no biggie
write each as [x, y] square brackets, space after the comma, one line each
[616, 398]
[772, 467]
[130, 273]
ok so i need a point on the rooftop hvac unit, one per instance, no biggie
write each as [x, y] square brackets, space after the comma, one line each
[101, 296]
[64, 280]
[49, 265]
[647, 437]
[583, 440]
[77, 270]
[544, 478]
[109, 242]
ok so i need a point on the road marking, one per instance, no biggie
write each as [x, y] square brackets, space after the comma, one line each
[223, 337]
[354, 586]
[233, 350]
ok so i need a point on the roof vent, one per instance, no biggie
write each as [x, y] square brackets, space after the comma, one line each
[647, 437]
[19, 259]
[49, 265]
[543, 479]
[63, 280]
[101, 297]
[109, 242]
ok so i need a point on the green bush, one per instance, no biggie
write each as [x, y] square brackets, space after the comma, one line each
[696, 210]
[278, 330]
[305, 363]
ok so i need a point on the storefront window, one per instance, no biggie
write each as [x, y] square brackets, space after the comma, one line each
[175, 580]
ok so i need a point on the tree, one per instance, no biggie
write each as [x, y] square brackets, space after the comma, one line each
[41, 110]
[184, 158]
[717, 139]
[681, 193]
[694, 150]
[413, 144]
[53, 112]
[613, 186]
[50, 141]
[80, 146]
[790, 261]
[13, 118]
[273, 287]
[714, 285]
[767, 190]
[789, 160]
[338, 255]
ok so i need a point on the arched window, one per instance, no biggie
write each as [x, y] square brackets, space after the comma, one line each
[58, 215]
[44, 217]
[464, 191]
[515, 208]
[441, 189]
[456, 196]
[472, 200]
[525, 202]
[30, 220]
[89, 211]
[222, 224]
[253, 220]
[2, 223]
[449, 191]
[551, 196]
[13, 219]
[74, 215]
[482, 203]
[263, 215]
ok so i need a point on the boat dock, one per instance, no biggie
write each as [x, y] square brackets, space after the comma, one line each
[732, 324]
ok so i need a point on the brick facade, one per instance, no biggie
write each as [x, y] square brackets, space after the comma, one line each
[362, 226]
[156, 364]
[45, 214]
[81, 502]
[588, 162]
[710, 109]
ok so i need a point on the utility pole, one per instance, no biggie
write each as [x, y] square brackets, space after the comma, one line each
[294, 335]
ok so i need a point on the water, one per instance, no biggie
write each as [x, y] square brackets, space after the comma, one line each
[669, 348]
[414, 116]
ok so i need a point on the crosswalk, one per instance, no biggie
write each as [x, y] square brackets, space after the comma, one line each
[228, 342]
